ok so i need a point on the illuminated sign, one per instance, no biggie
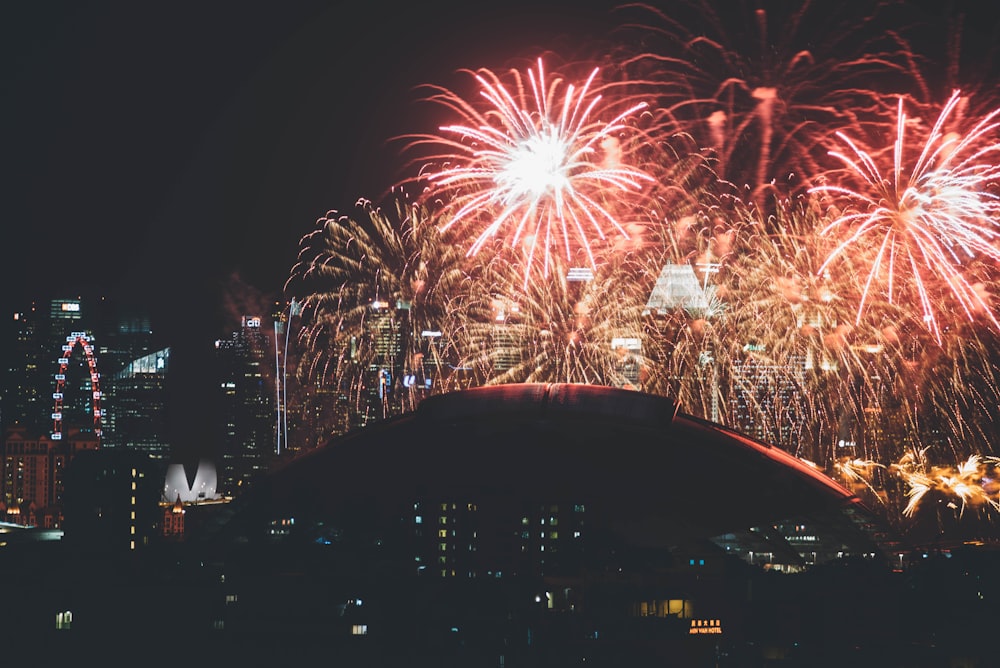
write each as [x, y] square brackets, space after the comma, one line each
[69, 306]
[251, 321]
[705, 627]
[628, 343]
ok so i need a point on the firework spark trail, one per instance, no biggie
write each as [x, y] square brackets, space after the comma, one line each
[856, 471]
[762, 88]
[550, 169]
[551, 331]
[932, 221]
[971, 482]
[382, 273]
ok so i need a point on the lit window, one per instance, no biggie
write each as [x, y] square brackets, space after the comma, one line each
[442, 533]
[418, 520]
[359, 630]
[64, 619]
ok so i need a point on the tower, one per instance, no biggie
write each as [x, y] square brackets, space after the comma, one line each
[246, 405]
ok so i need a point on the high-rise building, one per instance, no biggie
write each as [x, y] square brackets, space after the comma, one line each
[766, 398]
[247, 408]
[137, 412]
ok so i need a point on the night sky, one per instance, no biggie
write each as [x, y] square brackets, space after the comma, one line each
[175, 153]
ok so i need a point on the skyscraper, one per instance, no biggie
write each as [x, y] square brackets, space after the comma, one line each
[137, 411]
[247, 408]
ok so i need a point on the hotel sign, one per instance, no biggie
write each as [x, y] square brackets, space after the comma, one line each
[705, 627]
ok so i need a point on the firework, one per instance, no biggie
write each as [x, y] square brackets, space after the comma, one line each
[586, 331]
[972, 482]
[373, 290]
[542, 164]
[929, 228]
[760, 89]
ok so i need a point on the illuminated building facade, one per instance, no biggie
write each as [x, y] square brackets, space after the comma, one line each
[765, 399]
[32, 475]
[246, 406]
[386, 326]
[134, 376]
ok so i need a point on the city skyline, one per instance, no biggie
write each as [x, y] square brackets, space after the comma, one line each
[174, 156]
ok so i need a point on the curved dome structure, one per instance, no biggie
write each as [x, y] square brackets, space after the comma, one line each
[552, 524]
[644, 471]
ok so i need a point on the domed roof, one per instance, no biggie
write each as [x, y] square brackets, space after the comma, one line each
[655, 474]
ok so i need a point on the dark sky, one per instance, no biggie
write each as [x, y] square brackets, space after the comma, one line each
[175, 153]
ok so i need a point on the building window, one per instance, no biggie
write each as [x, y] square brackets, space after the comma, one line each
[64, 620]
[359, 630]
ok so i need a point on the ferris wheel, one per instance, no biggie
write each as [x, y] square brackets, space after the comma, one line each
[85, 341]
